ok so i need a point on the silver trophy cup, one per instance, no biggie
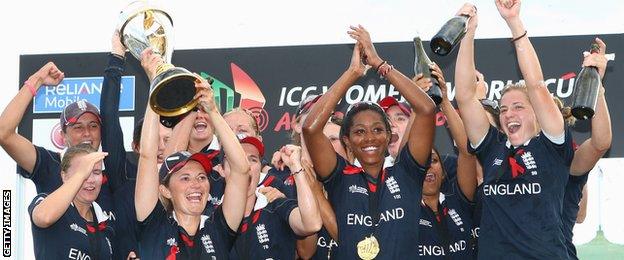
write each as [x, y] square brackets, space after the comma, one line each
[142, 25]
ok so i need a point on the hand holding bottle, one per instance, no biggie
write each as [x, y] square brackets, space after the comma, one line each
[597, 59]
[437, 73]
[469, 10]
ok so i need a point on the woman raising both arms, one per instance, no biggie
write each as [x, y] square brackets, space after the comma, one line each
[374, 207]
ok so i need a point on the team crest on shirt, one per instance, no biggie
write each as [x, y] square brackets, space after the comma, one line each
[529, 162]
[393, 186]
[172, 242]
[456, 218]
[207, 242]
[263, 236]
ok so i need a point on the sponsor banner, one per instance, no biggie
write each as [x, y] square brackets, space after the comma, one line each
[271, 81]
[52, 99]
[49, 136]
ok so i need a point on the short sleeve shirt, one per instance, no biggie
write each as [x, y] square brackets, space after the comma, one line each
[266, 232]
[401, 191]
[159, 235]
[522, 197]
[448, 233]
[46, 176]
[72, 237]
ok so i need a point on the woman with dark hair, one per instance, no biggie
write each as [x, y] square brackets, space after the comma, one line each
[527, 160]
[375, 208]
[446, 226]
[178, 226]
[68, 222]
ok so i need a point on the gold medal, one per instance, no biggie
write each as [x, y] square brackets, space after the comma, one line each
[368, 248]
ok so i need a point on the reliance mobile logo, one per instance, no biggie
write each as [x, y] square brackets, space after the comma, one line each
[251, 99]
[53, 99]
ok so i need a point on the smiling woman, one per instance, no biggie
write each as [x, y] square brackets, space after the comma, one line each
[532, 152]
[366, 232]
[72, 208]
[177, 227]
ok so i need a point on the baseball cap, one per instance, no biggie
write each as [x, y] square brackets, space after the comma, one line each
[253, 141]
[73, 111]
[306, 104]
[390, 101]
[176, 161]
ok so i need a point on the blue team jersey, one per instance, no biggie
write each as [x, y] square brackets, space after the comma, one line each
[266, 232]
[46, 176]
[126, 223]
[401, 190]
[72, 237]
[476, 218]
[449, 163]
[523, 191]
[326, 247]
[447, 234]
[160, 237]
[571, 199]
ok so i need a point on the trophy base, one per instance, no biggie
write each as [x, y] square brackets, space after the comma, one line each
[583, 112]
[172, 92]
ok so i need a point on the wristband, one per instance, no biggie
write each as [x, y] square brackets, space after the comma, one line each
[379, 66]
[297, 172]
[30, 87]
[519, 37]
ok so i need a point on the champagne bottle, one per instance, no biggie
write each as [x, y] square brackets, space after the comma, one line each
[449, 35]
[421, 65]
[586, 86]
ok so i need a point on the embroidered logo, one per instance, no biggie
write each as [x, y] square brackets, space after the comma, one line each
[207, 242]
[529, 162]
[455, 217]
[77, 228]
[172, 242]
[356, 189]
[263, 236]
[392, 184]
[425, 223]
[497, 162]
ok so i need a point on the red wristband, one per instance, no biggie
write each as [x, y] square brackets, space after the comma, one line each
[30, 87]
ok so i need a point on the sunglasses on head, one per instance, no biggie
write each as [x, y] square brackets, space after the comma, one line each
[492, 105]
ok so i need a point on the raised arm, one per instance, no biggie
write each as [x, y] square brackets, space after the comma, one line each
[320, 148]
[472, 113]
[237, 182]
[52, 208]
[466, 162]
[304, 220]
[17, 146]
[422, 131]
[148, 180]
[181, 135]
[588, 153]
[327, 212]
[112, 135]
[546, 111]
[582, 213]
